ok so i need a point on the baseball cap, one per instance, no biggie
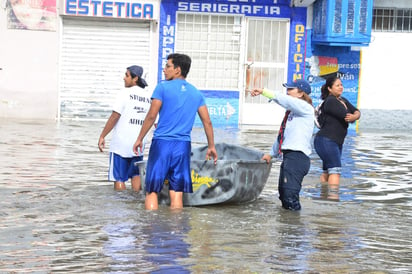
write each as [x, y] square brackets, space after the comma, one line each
[137, 71]
[299, 84]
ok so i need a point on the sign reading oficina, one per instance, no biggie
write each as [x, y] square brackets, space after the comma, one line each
[124, 9]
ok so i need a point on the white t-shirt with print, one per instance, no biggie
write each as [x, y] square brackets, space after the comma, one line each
[132, 104]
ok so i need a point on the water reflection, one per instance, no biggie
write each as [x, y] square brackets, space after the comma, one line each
[335, 238]
[293, 236]
[165, 246]
[122, 244]
[59, 214]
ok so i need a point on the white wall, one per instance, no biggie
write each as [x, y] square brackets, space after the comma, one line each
[29, 72]
[392, 3]
[386, 78]
[385, 71]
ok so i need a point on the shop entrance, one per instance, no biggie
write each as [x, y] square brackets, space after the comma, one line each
[234, 53]
[266, 59]
[94, 57]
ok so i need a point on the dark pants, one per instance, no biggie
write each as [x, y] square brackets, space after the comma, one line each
[294, 167]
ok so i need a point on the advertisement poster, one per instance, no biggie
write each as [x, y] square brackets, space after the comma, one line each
[32, 14]
[223, 108]
[334, 61]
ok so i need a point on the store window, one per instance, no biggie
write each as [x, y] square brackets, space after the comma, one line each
[392, 20]
[214, 44]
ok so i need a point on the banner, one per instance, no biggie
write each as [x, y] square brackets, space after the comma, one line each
[223, 108]
[32, 14]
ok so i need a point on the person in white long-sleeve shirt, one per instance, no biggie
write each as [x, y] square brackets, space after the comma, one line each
[295, 145]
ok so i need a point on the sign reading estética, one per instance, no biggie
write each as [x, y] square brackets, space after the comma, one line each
[115, 9]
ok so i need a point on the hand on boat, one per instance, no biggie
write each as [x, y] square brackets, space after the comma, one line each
[267, 158]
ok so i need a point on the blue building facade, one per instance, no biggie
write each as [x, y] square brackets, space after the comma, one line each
[315, 49]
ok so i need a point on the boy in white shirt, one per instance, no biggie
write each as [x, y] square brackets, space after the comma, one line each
[129, 112]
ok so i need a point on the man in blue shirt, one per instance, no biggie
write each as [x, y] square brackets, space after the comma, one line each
[177, 102]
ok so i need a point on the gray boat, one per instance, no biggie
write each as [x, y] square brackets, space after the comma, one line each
[238, 177]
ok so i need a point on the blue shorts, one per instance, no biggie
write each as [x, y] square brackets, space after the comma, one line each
[121, 169]
[330, 152]
[169, 159]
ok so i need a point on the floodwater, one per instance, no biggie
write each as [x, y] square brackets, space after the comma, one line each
[59, 214]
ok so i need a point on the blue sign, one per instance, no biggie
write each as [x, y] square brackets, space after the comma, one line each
[257, 8]
[223, 108]
[115, 9]
[262, 8]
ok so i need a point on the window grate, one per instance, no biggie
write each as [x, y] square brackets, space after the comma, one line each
[213, 42]
[392, 20]
[266, 50]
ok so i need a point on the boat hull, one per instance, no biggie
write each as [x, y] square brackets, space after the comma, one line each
[238, 177]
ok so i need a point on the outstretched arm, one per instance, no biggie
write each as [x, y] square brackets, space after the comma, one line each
[265, 92]
[111, 122]
[207, 125]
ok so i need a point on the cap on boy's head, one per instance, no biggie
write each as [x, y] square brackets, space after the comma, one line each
[299, 84]
[135, 71]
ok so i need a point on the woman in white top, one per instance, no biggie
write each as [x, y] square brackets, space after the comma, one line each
[294, 139]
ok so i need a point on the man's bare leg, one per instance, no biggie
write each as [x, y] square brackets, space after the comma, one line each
[119, 186]
[151, 201]
[136, 183]
[176, 199]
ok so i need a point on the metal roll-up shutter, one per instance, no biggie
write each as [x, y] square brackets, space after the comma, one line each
[94, 58]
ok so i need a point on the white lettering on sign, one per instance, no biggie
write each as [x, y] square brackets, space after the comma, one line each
[229, 8]
[115, 9]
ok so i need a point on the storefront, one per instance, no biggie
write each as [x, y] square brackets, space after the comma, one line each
[236, 46]
[77, 53]
[340, 30]
[99, 40]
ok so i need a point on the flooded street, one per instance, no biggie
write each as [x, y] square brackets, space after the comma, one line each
[59, 213]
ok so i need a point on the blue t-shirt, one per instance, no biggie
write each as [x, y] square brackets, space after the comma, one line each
[180, 102]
